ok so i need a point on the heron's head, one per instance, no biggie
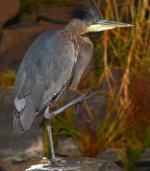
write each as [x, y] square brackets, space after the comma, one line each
[88, 18]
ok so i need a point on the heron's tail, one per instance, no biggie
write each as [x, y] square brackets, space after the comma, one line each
[23, 119]
[17, 125]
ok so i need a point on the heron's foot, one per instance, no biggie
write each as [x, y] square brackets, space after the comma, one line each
[63, 163]
[58, 162]
[77, 109]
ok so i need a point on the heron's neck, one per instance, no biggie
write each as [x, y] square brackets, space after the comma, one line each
[76, 27]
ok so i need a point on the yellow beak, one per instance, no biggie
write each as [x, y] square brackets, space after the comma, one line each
[102, 25]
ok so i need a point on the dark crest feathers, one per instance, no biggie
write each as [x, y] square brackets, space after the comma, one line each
[87, 9]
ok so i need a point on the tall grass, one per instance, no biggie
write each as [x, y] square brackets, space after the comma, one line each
[125, 49]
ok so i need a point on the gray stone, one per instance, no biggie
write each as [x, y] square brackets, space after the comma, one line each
[65, 164]
[145, 156]
[110, 154]
[67, 147]
[144, 161]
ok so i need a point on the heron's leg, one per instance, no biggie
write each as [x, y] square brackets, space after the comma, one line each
[49, 129]
[72, 103]
[53, 158]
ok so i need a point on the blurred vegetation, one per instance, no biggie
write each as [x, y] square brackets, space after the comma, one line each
[29, 8]
[126, 123]
[7, 78]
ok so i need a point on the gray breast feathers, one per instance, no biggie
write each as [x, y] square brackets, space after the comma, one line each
[85, 53]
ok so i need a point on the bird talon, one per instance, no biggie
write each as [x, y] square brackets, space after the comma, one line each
[77, 109]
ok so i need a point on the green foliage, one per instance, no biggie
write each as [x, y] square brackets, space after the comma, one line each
[135, 153]
[69, 131]
[146, 137]
[7, 79]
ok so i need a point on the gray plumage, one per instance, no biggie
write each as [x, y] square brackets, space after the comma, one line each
[46, 68]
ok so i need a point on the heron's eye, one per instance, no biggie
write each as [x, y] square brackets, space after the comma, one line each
[92, 21]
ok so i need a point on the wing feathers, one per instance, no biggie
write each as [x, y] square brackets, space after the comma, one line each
[46, 67]
[17, 125]
[20, 104]
[24, 118]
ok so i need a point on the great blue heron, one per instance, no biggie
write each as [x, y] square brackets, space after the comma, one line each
[55, 62]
